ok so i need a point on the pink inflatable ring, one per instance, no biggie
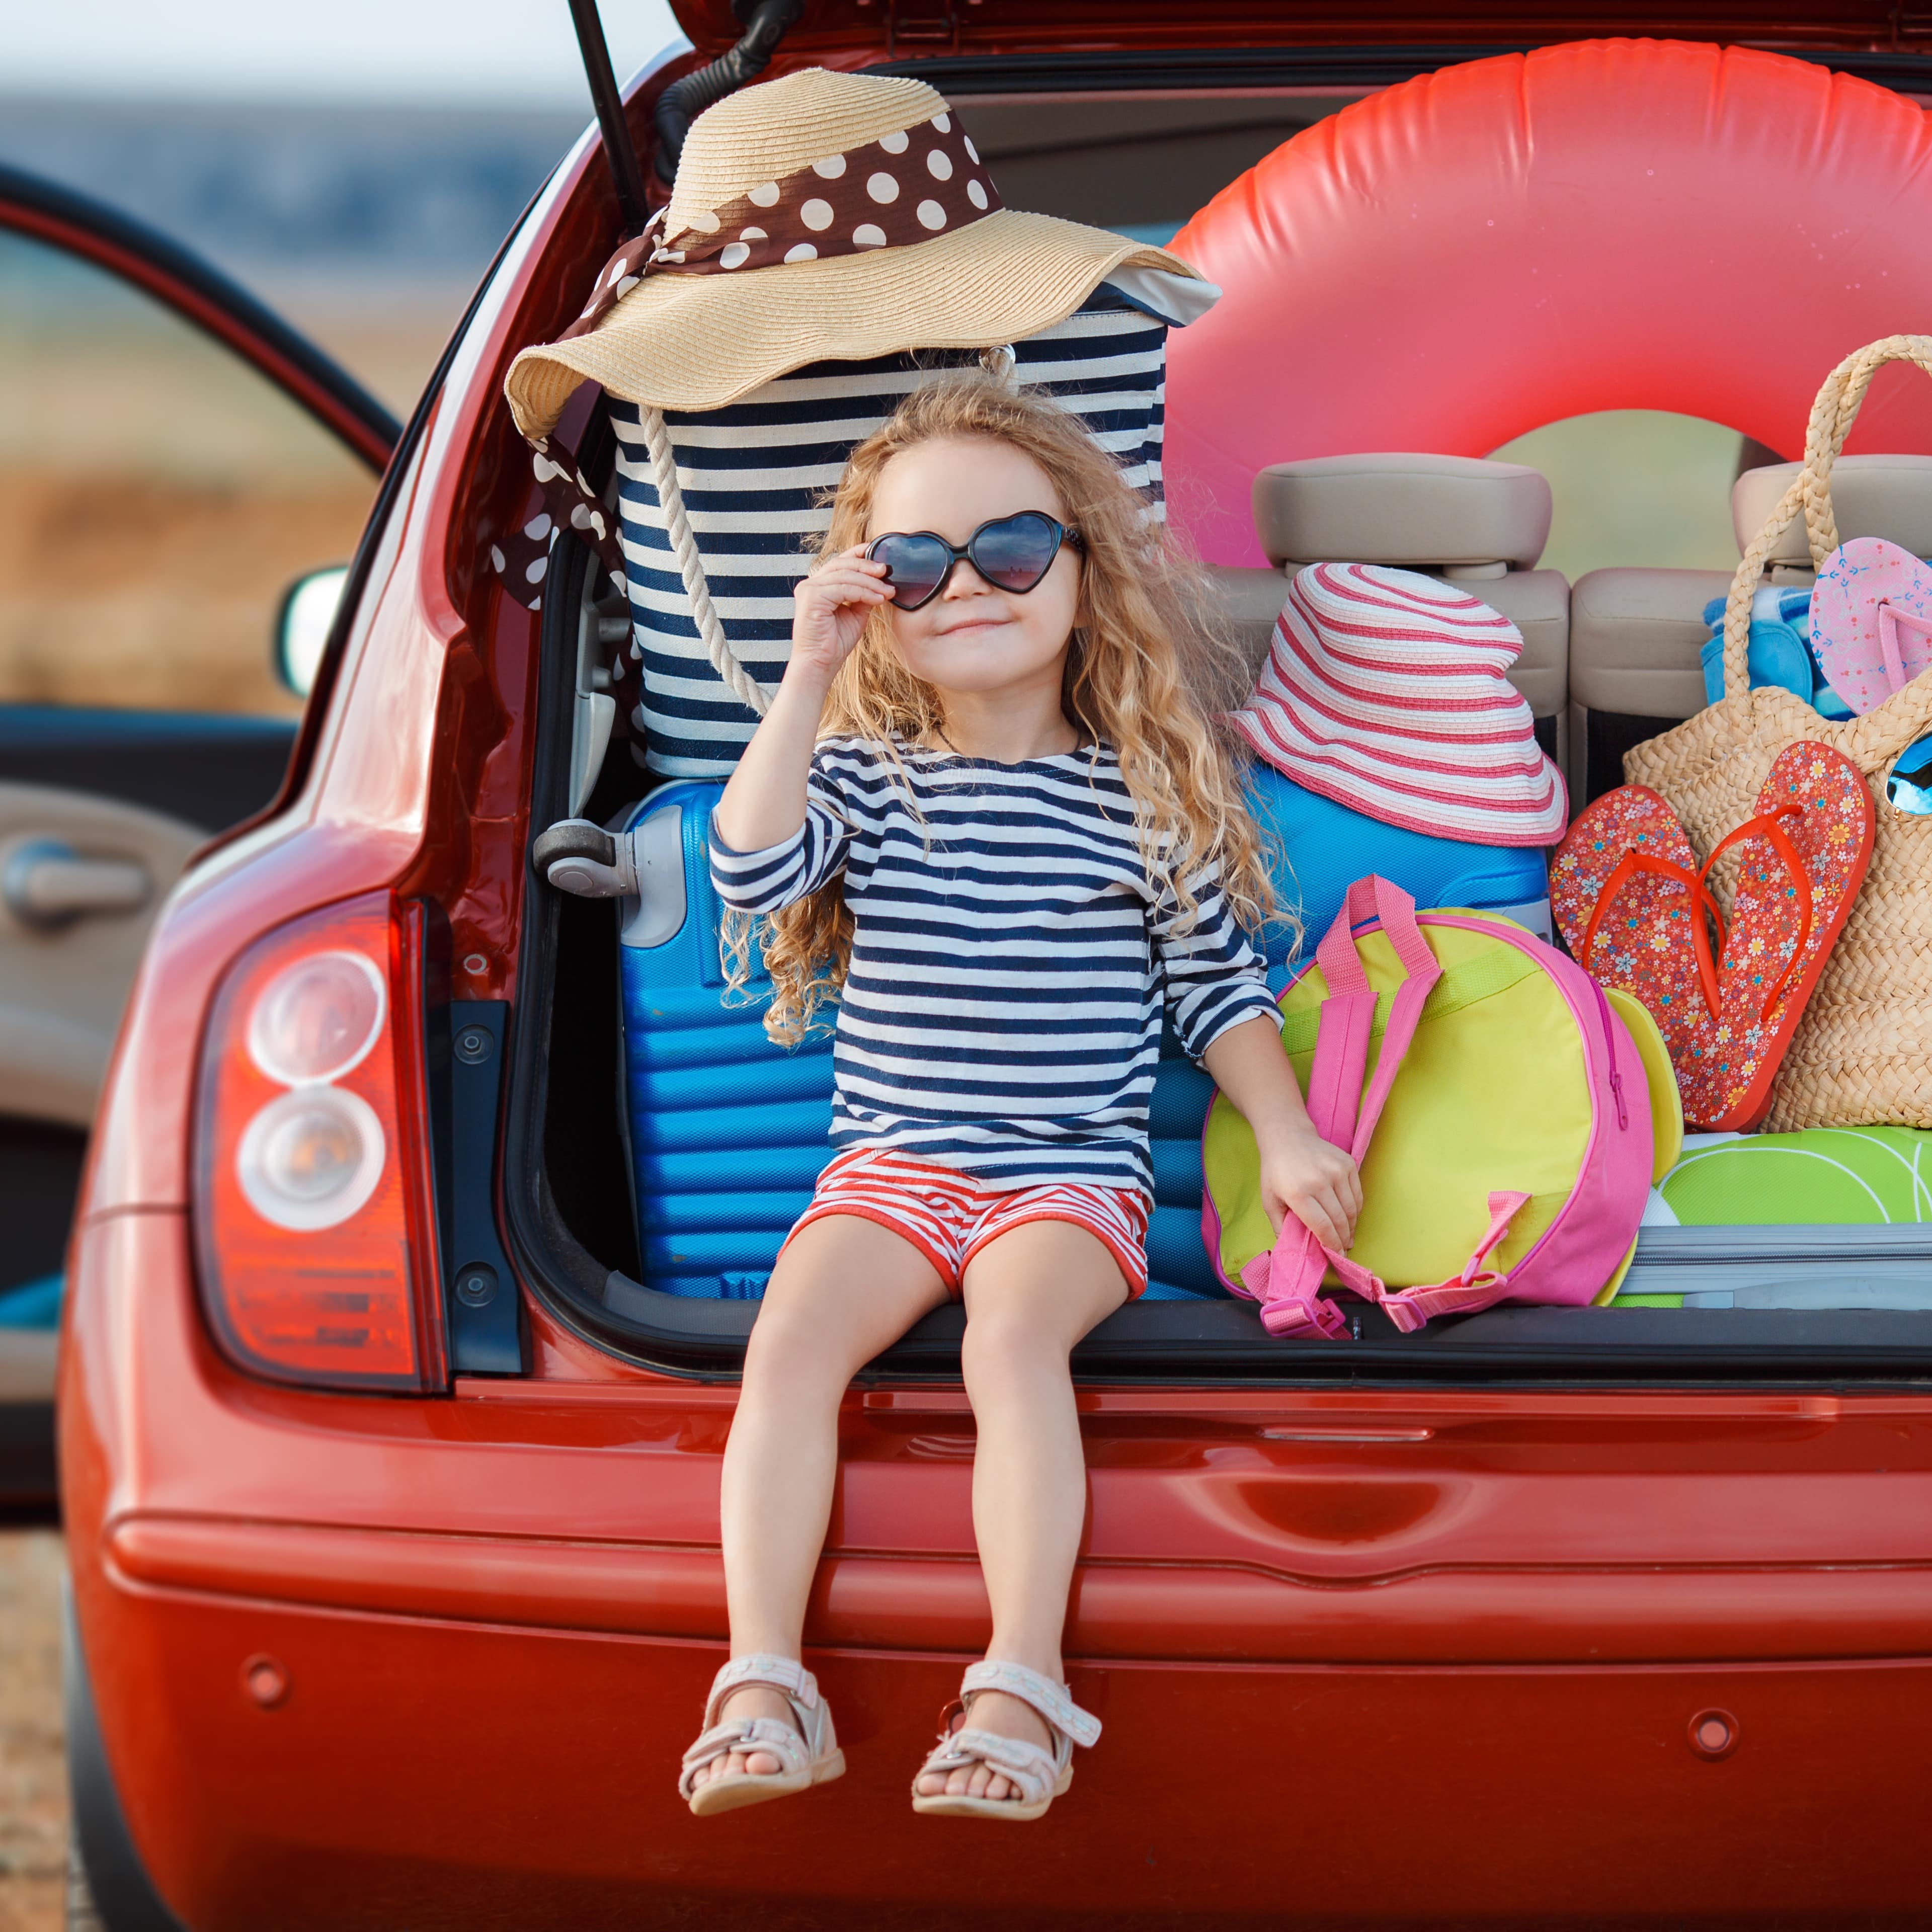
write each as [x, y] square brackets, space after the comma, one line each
[1611, 224]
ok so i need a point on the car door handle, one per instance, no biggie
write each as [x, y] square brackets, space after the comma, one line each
[47, 884]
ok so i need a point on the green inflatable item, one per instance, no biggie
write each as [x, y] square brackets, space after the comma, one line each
[1821, 1176]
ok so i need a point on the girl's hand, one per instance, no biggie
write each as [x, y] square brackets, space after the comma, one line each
[828, 611]
[1301, 1173]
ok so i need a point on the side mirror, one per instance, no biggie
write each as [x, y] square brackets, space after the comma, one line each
[307, 615]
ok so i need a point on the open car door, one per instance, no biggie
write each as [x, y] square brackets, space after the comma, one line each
[173, 458]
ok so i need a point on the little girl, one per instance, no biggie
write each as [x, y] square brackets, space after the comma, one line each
[988, 815]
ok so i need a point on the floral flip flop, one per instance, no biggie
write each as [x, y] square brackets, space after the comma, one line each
[1627, 897]
[1803, 858]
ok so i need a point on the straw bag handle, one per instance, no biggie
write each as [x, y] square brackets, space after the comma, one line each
[1833, 413]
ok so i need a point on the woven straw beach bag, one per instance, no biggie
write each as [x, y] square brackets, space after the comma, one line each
[1862, 1053]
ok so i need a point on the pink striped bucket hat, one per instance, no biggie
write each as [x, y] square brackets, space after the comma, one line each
[1385, 690]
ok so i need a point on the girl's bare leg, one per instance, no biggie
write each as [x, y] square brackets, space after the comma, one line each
[843, 1291]
[1029, 1296]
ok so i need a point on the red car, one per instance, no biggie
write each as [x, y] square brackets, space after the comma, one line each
[396, 1588]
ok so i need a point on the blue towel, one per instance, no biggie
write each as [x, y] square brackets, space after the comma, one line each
[33, 1304]
[1779, 655]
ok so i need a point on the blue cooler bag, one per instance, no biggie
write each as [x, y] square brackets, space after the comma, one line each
[1322, 847]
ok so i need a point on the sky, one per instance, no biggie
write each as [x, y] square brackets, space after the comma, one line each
[470, 52]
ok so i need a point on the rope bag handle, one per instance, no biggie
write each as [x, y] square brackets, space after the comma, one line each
[724, 660]
[1833, 413]
[997, 361]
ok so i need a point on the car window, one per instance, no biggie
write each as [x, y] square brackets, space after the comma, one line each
[1637, 487]
[158, 498]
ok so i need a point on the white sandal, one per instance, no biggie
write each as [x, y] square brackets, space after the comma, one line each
[1041, 1775]
[807, 1749]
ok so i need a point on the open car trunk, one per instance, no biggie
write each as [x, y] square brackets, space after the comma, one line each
[1785, 1303]
[1781, 1303]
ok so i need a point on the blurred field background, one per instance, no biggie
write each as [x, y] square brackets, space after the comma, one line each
[1637, 487]
[33, 1775]
[156, 499]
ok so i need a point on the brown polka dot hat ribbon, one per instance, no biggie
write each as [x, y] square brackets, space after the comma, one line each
[521, 556]
[905, 187]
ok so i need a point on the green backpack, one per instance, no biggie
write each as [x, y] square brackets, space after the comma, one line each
[1504, 1134]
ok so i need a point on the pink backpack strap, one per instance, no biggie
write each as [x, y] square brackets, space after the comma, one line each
[1287, 1282]
[1475, 1287]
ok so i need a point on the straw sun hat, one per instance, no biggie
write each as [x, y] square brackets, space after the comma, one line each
[824, 215]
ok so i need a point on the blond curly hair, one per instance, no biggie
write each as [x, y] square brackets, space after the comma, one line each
[1149, 672]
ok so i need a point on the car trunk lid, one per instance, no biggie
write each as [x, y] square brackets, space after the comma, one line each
[849, 33]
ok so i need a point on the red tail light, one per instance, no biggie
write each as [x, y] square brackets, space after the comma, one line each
[314, 1215]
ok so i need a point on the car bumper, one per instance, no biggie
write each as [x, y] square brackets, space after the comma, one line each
[417, 1770]
[367, 1662]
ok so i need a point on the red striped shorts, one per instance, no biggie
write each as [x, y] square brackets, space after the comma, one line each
[948, 1217]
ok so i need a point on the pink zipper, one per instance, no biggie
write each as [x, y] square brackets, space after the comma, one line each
[1610, 1042]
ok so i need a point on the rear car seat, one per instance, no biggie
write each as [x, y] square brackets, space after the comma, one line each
[1460, 519]
[1634, 638]
[1889, 497]
[1635, 634]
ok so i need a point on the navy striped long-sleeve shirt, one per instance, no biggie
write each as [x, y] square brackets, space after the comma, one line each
[1010, 961]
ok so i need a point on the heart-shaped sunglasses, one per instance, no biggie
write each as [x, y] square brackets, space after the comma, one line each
[1011, 553]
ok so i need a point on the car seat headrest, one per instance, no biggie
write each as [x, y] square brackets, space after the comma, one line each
[1889, 497]
[1459, 515]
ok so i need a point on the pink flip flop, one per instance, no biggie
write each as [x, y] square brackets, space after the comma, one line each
[1626, 895]
[1805, 855]
[1871, 621]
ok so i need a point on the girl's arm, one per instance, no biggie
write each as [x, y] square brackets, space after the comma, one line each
[1300, 1171]
[764, 805]
[1218, 999]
